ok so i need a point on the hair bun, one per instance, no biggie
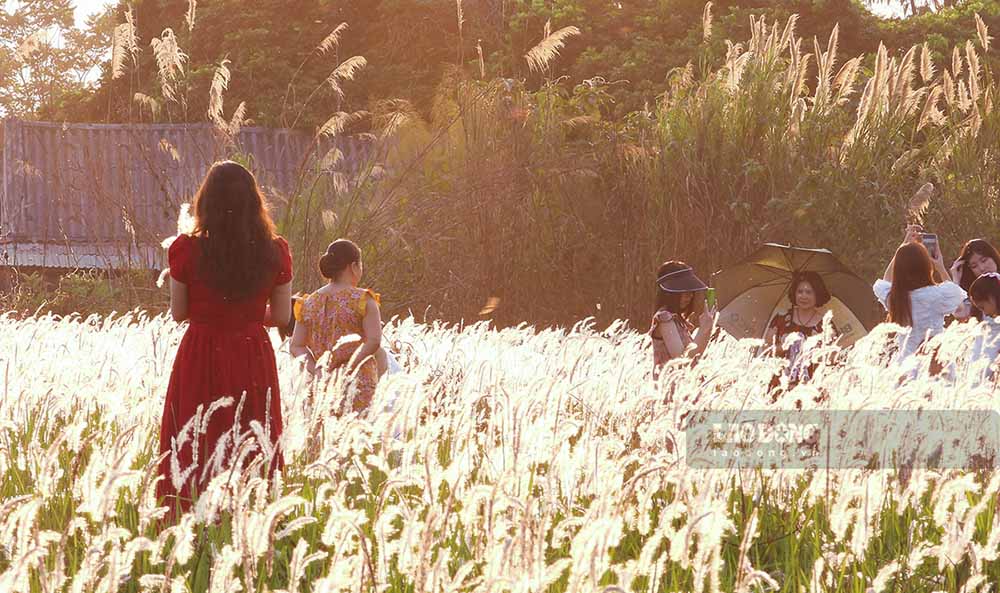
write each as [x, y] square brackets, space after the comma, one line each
[339, 255]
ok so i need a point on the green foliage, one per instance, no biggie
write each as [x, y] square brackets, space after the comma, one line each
[543, 200]
[86, 292]
[277, 68]
[45, 61]
[410, 44]
[649, 137]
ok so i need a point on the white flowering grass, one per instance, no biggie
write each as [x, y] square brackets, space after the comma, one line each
[514, 460]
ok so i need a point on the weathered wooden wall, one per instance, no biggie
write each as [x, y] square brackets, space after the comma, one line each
[105, 195]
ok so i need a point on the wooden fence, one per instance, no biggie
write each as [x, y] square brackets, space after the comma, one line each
[105, 195]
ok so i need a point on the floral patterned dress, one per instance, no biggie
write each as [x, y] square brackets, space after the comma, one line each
[785, 324]
[331, 317]
[802, 367]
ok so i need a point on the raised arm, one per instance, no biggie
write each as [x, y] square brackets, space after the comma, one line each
[912, 235]
[706, 325]
[939, 266]
[887, 276]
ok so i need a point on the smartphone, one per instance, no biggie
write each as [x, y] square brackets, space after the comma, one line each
[930, 241]
[710, 297]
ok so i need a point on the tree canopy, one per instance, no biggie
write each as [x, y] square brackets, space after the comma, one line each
[270, 50]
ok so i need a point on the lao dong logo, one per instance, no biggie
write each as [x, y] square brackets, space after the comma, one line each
[752, 433]
[844, 439]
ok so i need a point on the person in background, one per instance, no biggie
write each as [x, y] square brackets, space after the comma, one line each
[807, 295]
[386, 361]
[680, 303]
[985, 295]
[977, 257]
[327, 319]
[222, 278]
[909, 294]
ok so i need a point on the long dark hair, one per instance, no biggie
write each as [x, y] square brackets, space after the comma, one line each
[671, 301]
[815, 281]
[238, 251]
[979, 247]
[912, 270]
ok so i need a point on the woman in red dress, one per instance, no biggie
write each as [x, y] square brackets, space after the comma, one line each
[222, 277]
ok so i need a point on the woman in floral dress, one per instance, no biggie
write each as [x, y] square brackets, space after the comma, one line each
[343, 320]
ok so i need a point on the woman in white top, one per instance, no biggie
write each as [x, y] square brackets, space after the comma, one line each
[911, 297]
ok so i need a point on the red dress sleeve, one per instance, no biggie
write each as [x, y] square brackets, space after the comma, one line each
[284, 262]
[179, 258]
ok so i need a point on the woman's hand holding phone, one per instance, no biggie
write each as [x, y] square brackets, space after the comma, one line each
[707, 318]
[938, 262]
[936, 255]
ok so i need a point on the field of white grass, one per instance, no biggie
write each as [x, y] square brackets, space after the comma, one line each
[515, 460]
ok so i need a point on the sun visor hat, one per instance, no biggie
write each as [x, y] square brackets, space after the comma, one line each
[681, 281]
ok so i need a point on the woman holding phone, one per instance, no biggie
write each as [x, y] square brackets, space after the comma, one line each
[910, 295]
[680, 303]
